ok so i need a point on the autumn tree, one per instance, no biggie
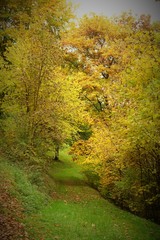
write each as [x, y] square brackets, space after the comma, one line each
[17, 17]
[40, 104]
[119, 59]
[140, 89]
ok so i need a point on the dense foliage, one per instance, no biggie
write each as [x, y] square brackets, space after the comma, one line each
[39, 100]
[120, 61]
[94, 85]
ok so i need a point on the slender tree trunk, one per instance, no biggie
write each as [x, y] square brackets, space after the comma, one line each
[56, 158]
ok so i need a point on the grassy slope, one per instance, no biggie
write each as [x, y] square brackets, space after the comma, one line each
[75, 211]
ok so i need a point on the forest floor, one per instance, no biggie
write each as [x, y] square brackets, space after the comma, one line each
[74, 211]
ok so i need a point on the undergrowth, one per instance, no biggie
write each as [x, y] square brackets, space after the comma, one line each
[22, 188]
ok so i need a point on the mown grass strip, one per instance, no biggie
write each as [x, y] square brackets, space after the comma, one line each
[97, 219]
[75, 210]
[79, 213]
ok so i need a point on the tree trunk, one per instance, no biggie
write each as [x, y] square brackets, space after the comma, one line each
[56, 157]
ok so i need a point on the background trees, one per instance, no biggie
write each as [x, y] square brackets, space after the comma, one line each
[120, 60]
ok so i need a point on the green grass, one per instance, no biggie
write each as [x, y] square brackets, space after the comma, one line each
[78, 212]
[95, 219]
[31, 199]
[73, 210]
[66, 172]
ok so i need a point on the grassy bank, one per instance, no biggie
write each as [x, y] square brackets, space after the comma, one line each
[64, 207]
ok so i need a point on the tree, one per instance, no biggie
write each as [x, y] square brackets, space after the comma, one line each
[125, 132]
[140, 89]
[39, 108]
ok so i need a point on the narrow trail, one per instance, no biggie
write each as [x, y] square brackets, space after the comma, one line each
[71, 184]
[78, 212]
